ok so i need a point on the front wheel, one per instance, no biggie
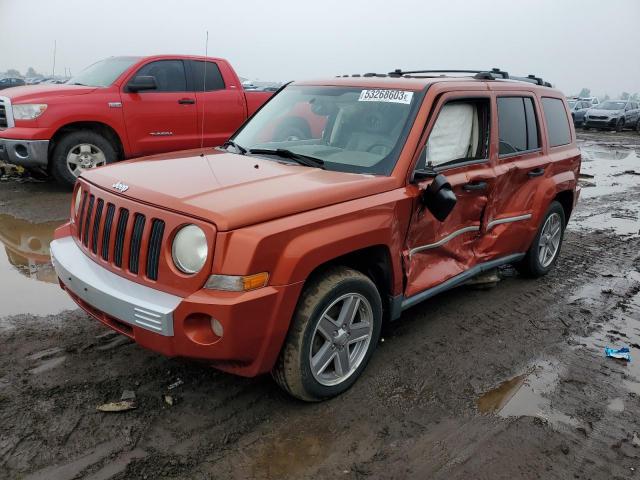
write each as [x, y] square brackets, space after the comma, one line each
[638, 126]
[620, 125]
[333, 334]
[79, 151]
[545, 249]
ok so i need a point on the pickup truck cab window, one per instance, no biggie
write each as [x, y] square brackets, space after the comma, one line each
[170, 75]
[517, 125]
[460, 134]
[363, 128]
[206, 82]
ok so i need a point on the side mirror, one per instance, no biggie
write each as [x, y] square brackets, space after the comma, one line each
[439, 198]
[142, 82]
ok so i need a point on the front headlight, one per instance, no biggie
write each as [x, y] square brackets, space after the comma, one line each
[189, 249]
[28, 111]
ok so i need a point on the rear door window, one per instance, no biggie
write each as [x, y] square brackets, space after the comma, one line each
[558, 130]
[169, 74]
[206, 81]
[517, 125]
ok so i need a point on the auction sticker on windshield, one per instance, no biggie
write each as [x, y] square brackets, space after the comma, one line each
[393, 96]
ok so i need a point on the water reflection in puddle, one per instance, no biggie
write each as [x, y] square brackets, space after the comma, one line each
[610, 169]
[28, 280]
[527, 395]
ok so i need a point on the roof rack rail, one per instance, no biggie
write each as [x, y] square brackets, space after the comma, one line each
[493, 74]
[485, 74]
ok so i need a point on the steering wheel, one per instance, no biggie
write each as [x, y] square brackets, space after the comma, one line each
[384, 146]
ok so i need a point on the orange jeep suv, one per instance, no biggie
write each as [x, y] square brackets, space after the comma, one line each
[287, 255]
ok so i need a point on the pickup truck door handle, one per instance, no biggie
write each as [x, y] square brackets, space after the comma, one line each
[187, 101]
[536, 172]
[474, 186]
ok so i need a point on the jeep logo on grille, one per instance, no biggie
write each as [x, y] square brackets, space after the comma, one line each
[121, 187]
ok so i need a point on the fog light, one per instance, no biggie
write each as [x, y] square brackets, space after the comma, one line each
[21, 151]
[216, 326]
[202, 328]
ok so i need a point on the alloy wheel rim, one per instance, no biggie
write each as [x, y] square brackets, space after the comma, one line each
[341, 339]
[549, 243]
[84, 156]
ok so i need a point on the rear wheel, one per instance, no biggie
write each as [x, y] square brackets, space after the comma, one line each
[333, 334]
[545, 249]
[79, 151]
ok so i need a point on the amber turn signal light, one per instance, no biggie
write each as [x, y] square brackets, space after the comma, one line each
[237, 283]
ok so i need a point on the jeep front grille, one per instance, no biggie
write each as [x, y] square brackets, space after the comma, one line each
[136, 247]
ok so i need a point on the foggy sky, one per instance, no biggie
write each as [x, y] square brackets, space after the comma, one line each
[573, 44]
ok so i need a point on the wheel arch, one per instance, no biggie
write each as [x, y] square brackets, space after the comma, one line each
[565, 198]
[99, 127]
[375, 262]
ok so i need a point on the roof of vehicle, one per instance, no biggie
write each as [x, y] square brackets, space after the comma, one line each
[178, 55]
[419, 79]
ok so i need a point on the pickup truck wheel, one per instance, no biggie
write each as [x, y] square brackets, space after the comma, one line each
[333, 334]
[80, 151]
[545, 249]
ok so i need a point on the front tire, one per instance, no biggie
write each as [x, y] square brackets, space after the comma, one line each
[79, 151]
[334, 332]
[545, 248]
[619, 125]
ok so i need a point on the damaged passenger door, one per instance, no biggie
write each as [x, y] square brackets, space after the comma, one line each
[457, 151]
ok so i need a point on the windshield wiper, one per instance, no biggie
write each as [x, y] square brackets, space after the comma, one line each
[81, 84]
[231, 143]
[305, 160]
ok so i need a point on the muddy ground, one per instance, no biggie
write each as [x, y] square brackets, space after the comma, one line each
[506, 382]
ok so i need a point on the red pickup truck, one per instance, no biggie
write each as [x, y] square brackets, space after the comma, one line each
[124, 107]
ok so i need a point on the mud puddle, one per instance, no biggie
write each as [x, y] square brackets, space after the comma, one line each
[27, 277]
[527, 395]
[608, 164]
[611, 171]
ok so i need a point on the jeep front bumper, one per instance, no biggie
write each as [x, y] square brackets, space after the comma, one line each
[255, 323]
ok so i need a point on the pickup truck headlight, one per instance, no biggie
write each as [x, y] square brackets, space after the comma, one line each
[28, 111]
[190, 249]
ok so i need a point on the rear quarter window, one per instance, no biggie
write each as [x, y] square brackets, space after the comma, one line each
[558, 130]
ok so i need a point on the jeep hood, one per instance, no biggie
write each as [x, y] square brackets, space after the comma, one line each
[41, 92]
[232, 190]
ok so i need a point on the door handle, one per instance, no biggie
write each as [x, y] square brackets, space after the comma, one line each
[186, 101]
[474, 186]
[536, 172]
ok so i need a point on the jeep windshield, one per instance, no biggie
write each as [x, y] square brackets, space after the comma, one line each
[104, 72]
[611, 106]
[348, 129]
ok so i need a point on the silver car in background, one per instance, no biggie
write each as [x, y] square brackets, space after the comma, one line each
[613, 115]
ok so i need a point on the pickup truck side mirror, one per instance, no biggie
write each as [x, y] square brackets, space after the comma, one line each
[439, 198]
[141, 83]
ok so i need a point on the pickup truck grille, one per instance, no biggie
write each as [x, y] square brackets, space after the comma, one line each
[101, 220]
[4, 120]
